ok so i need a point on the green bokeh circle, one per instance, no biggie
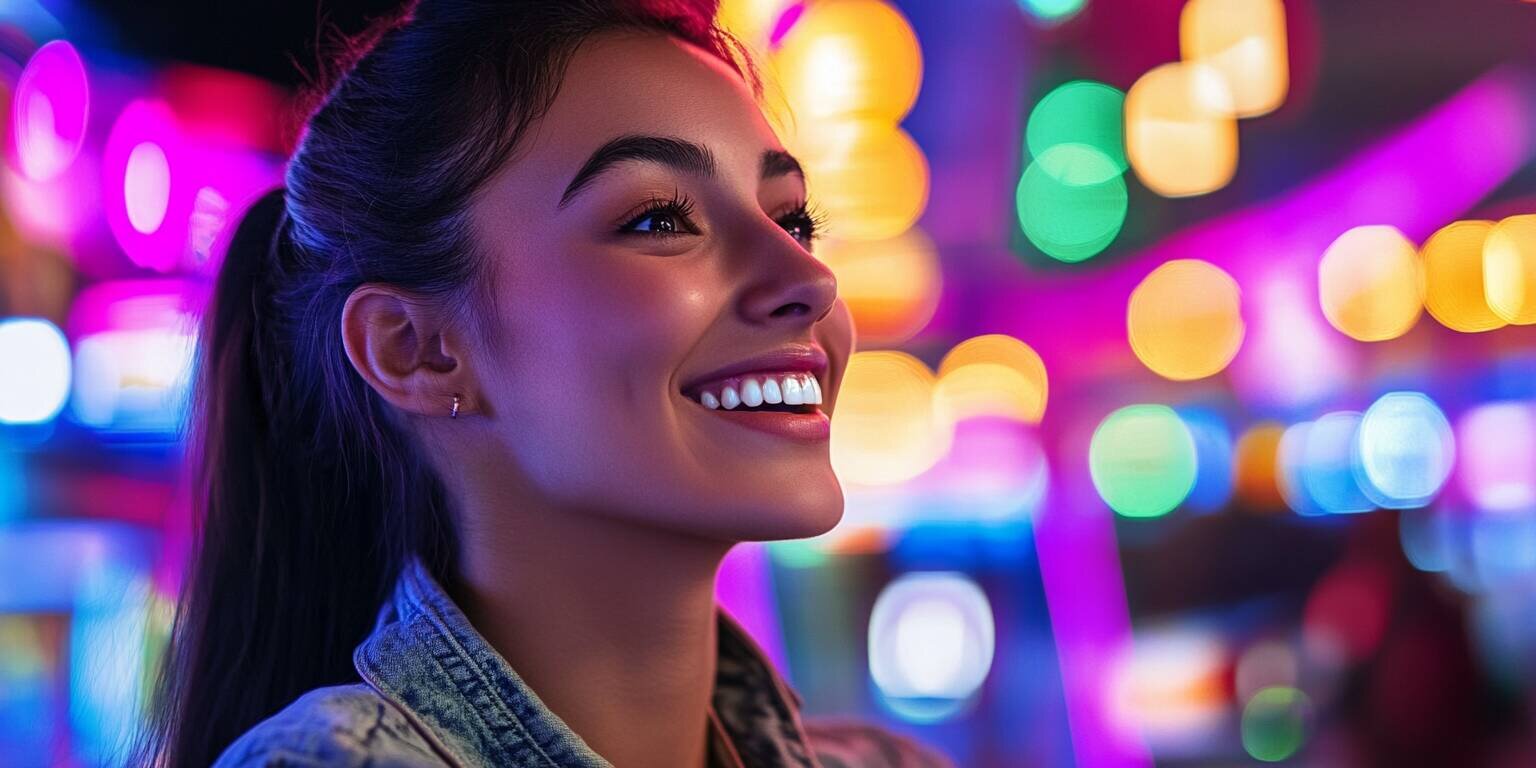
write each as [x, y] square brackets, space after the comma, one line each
[1142, 460]
[1080, 112]
[1274, 725]
[1072, 202]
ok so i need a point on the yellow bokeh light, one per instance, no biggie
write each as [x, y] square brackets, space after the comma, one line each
[886, 429]
[1185, 320]
[1453, 278]
[1509, 269]
[751, 21]
[891, 286]
[1180, 135]
[1370, 285]
[992, 375]
[869, 177]
[1245, 41]
[846, 58]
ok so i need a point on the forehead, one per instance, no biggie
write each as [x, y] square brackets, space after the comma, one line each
[649, 84]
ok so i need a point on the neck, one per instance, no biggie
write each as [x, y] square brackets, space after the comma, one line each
[611, 623]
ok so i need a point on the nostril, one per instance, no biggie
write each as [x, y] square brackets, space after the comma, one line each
[793, 309]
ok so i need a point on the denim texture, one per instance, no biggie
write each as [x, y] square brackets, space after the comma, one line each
[434, 693]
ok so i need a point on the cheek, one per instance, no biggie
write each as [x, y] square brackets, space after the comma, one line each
[594, 345]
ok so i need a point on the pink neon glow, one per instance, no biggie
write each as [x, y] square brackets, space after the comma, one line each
[171, 192]
[147, 187]
[744, 588]
[785, 23]
[148, 204]
[49, 111]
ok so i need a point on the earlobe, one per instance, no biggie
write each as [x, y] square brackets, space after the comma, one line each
[400, 345]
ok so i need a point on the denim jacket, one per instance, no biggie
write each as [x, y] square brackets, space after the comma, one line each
[434, 693]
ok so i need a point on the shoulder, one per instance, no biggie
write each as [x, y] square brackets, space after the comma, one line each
[848, 743]
[344, 725]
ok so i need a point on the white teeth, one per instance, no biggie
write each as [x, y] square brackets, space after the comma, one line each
[814, 388]
[728, 397]
[793, 393]
[771, 393]
[751, 392]
[710, 401]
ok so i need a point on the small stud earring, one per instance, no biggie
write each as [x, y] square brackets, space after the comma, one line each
[454, 414]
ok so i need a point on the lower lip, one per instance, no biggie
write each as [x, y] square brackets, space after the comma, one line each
[807, 427]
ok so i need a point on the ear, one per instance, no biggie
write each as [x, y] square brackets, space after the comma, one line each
[403, 346]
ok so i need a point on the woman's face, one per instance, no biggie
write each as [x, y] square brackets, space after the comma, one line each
[652, 266]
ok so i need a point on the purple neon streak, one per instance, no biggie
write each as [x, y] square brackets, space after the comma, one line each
[1080, 571]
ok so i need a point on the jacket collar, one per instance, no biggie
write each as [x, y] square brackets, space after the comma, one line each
[424, 656]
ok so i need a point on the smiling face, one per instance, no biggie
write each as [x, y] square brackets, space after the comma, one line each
[650, 254]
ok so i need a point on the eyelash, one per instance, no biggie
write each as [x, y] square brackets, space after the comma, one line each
[680, 208]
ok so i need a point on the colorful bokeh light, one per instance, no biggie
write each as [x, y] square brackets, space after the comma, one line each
[1072, 202]
[931, 640]
[891, 286]
[752, 21]
[1142, 460]
[1497, 471]
[887, 429]
[1328, 464]
[851, 58]
[869, 176]
[134, 352]
[50, 110]
[1214, 475]
[992, 375]
[1369, 283]
[1053, 11]
[1290, 470]
[1255, 460]
[1454, 286]
[1509, 269]
[1180, 135]
[994, 473]
[34, 370]
[1079, 112]
[1406, 450]
[1275, 723]
[144, 183]
[1245, 41]
[1185, 320]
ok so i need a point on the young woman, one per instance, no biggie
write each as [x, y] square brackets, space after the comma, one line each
[531, 337]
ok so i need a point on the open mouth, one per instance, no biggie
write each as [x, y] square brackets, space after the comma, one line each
[777, 392]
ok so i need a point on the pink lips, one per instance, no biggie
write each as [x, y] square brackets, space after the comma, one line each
[809, 427]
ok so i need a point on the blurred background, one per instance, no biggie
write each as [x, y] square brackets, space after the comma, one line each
[1194, 422]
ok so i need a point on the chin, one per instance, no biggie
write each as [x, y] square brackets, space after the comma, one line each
[796, 512]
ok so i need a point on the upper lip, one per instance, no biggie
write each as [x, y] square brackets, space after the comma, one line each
[790, 357]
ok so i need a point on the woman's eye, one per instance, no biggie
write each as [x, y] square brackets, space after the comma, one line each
[662, 219]
[804, 224]
[799, 226]
[656, 223]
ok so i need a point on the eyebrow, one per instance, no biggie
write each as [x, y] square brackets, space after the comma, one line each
[683, 155]
[777, 162]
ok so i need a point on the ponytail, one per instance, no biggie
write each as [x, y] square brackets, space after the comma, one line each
[304, 523]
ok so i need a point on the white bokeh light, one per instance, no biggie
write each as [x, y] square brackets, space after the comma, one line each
[34, 370]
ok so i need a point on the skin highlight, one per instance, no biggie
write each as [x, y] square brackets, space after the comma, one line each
[595, 500]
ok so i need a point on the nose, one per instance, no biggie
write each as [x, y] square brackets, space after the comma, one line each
[788, 286]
